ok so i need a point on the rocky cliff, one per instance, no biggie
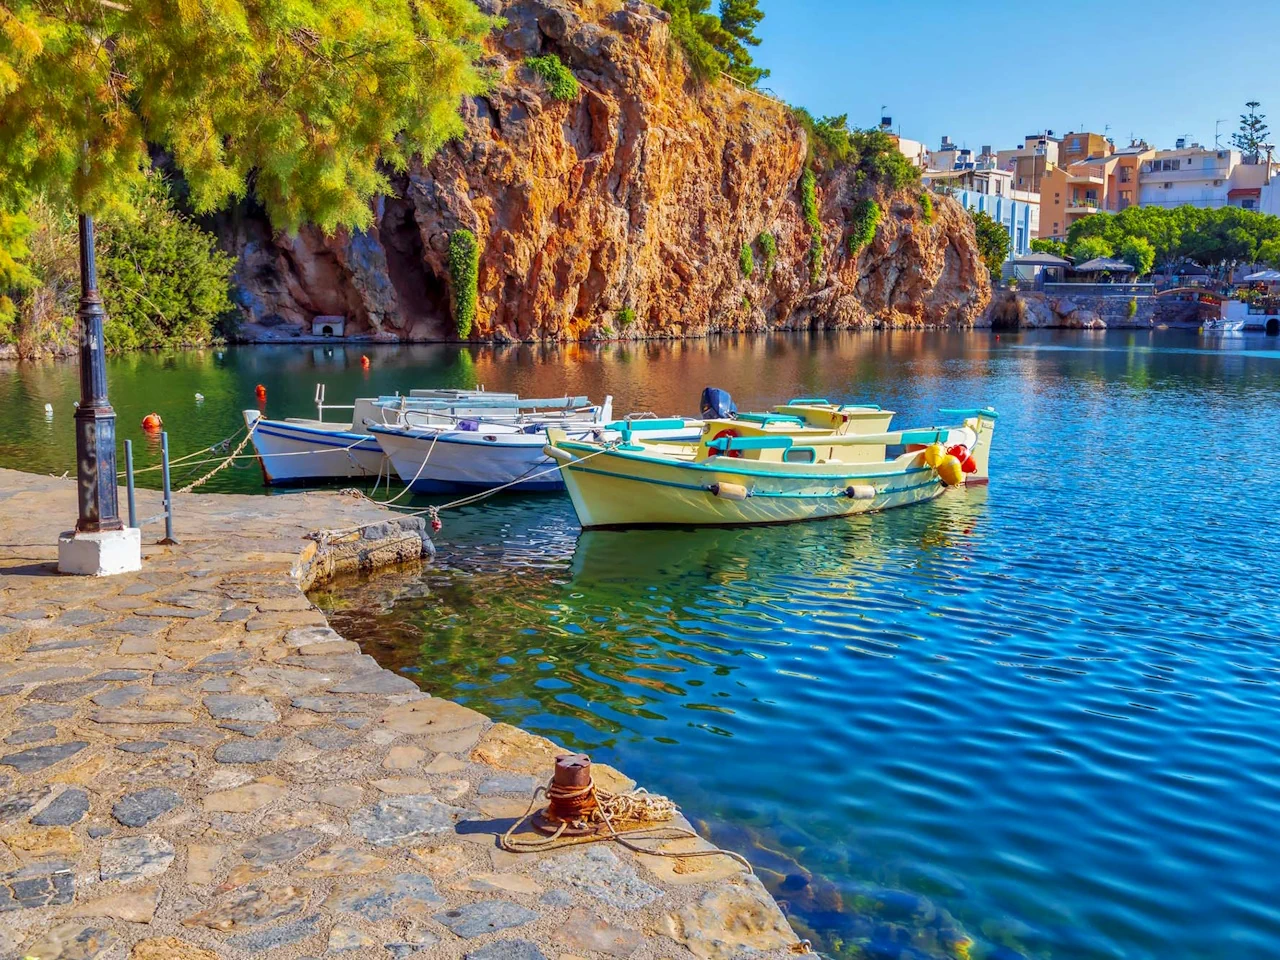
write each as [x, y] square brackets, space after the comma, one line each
[620, 213]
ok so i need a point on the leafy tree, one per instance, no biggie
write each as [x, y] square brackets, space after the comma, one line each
[1269, 253]
[1139, 254]
[1253, 132]
[875, 154]
[717, 44]
[1045, 245]
[15, 275]
[163, 279]
[313, 101]
[1091, 248]
[739, 18]
[993, 241]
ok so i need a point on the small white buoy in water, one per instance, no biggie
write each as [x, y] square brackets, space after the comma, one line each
[48, 409]
[199, 398]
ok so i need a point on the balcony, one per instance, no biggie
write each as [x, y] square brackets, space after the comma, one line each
[1091, 179]
[1083, 205]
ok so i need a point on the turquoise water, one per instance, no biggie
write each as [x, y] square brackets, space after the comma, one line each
[1039, 717]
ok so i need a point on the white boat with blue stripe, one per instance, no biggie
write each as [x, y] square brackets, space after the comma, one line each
[299, 451]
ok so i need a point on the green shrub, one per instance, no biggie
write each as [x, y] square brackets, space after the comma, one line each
[464, 268]
[1132, 310]
[809, 208]
[626, 316]
[746, 262]
[560, 81]
[873, 152]
[746, 303]
[163, 279]
[769, 247]
[926, 208]
[866, 218]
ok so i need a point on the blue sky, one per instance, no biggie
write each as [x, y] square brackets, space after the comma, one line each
[988, 73]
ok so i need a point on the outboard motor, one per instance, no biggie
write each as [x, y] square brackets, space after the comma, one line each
[717, 404]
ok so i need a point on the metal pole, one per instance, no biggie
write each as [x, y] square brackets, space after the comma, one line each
[128, 473]
[95, 420]
[168, 493]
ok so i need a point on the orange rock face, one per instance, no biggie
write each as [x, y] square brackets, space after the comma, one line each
[619, 214]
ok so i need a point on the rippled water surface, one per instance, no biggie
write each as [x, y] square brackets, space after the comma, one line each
[1040, 717]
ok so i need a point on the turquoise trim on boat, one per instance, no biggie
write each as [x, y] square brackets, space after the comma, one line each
[725, 444]
[622, 426]
[874, 407]
[970, 412]
[724, 465]
[836, 494]
[794, 401]
[923, 436]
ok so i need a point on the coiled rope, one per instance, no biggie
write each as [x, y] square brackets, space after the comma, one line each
[633, 806]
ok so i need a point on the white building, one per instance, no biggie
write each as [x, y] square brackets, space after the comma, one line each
[1199, 177]
[992, 191]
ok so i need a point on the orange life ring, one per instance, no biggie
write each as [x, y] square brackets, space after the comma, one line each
[729, 433]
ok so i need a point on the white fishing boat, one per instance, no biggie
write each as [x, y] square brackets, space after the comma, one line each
[298, 450]
[482, 455]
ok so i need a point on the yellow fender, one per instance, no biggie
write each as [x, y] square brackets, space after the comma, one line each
[950, 471]
[933, 454]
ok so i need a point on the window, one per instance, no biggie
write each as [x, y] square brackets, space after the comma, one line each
[1167, 186]
[1126, 174]
[1126, 196]
[1248, 203]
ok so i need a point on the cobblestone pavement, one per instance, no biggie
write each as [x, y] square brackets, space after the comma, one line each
[194, 765]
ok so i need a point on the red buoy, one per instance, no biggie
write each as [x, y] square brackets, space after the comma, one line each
[969, 465]
[364, 361]
[152, 422]
[959, 451]
[261, 392]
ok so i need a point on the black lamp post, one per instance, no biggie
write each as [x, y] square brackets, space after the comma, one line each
[95, 420]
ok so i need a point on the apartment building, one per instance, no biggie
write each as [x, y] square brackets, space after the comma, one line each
[1107, 183]
[1029, 162]
[1074, 147]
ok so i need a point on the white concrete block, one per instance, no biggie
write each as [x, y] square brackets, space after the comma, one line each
[100, 554]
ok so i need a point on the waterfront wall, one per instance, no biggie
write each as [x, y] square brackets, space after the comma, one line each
[195, 766]
[1011, 310]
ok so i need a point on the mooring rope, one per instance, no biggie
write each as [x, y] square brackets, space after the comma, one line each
[635, 806]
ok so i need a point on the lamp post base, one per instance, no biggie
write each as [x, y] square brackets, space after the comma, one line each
[100, 554]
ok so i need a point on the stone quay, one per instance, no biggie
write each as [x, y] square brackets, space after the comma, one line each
[193, 766]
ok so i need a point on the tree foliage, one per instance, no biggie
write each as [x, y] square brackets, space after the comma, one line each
[873, 152]
[163, 280]
[746, 262]
[560, 81]
[1253, 132]
[464, 269]
[15, 274]
[311, 101]
[1044, 245]
[715, 43]
[866, 218]
[1090, 248]
[769, 247]
[1219, 239]
[993, 241]
[926, 208]
[1138, 253]
[809, 210]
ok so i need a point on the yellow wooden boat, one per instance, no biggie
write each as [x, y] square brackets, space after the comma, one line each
[760, 470]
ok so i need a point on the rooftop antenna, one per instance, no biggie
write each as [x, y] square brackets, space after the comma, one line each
[1217, 137]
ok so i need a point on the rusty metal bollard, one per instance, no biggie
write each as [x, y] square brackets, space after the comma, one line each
[572, 801]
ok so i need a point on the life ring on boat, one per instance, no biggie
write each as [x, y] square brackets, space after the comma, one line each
[729, 433]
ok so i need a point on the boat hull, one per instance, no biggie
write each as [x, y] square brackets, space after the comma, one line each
[457, 461]
[613, 490]
[296, 453]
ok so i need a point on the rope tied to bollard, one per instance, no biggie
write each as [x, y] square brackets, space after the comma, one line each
[579, 813]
